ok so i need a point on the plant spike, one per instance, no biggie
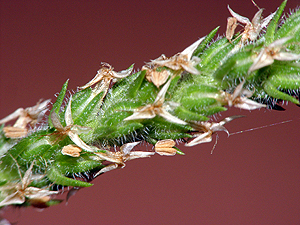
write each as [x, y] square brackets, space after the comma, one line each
[171, 98]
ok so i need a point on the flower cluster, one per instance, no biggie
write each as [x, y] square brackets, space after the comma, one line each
[25, 117]
[104, 77]
[252, 28]
[18, 193]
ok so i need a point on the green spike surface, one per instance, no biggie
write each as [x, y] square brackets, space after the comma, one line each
[191, 98]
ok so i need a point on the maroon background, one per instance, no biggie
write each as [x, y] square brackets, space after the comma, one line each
[251, 178]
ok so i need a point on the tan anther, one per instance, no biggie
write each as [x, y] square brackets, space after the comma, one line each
[71, 150]
[165, 147]
[15, 132]
[231, 26]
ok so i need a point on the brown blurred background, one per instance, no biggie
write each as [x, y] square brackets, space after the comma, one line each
[251, 178]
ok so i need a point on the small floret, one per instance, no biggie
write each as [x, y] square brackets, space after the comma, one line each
[104, 77]
[180, 61]
[273, 52]
[28, 116]
[158, 107]
[240, 98]
[252, 29]
[207, 129]
[17, 193]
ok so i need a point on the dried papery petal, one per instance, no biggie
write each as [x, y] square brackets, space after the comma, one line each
[190, 50]
[126, 154]
[19, 112]
[107, 169]
[165, 147]
[56, 122]
[273, 52]
[126, 148]
[200, 138]
[231, 26]
[68, 113]
[14, 198]
[239, 18]
[26, 180]
[38, 193]
[37, 112]
[71, 150]
[286, 56]
[77, 140]
[169, 117]
[138, 155]
[247, 104]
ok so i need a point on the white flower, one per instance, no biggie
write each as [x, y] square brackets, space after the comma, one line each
[180, 61]
[21, 191]
[31, 115]
[119, 158]
[253, 28]
[240, 99]
[273, 52]
[70, 129]
[206, 130]
[159, 107]
[104, 77]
